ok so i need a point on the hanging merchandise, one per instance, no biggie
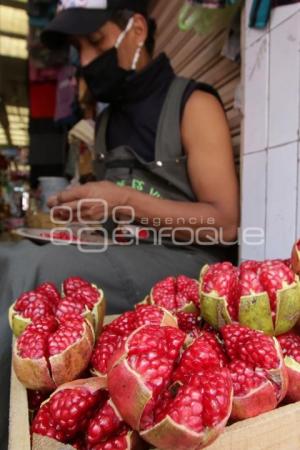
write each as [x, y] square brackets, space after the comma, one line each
[65, 95]
[232, 47]
[261, 11]
[42, 100]
[37, 74]
[205, 16]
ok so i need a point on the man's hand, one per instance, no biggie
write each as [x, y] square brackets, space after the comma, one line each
[80, 200]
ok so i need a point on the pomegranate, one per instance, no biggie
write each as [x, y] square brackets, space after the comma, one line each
[175, 398]
[290, 345]
[181, 297]
[257, 371]
[79, 297]
[82, 415]
[295, 259]
[50, 353]
[116, 333]
[261, 295]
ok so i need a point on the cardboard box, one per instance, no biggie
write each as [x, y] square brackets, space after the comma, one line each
[277, 430]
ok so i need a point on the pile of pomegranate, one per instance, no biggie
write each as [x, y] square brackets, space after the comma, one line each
[190, 359]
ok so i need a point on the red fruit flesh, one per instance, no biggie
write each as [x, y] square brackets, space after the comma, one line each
[188, 322]
[250, 283]
[199, 356]
[72, 284]
[257, 371]
[252, 266]
[116, 333]
[67, 307]
[49, 290]
[250, 346]
[65, 336]
[33, 344]
[36, 398]
[176, 294]
[44, 425]
[273, 278]
[153, 352]
[72, 408]
[105, 424]
[87, 296]
[290, 345]
[28, 299]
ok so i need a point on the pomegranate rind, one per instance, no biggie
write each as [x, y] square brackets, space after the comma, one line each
[293, 370]
[69, 364]
[214, 310]
[255, 312]
[33, 373]
[169, 435]
[17, 323]
[98, 313]
[130, 395]
[256, 402]
[296, 258]
[288, 308]
[43, 375]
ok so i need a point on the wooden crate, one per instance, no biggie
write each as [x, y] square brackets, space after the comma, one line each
[277, 430]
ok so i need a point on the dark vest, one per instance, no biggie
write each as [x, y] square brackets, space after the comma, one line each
[166, 176]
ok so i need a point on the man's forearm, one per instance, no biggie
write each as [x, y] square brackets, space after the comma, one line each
[204, 218]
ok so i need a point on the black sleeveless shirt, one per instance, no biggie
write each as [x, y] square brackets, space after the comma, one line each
[134, 120]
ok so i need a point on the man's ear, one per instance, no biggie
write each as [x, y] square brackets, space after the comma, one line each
[140, 28]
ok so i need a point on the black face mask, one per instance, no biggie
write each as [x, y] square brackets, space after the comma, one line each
[105, 78]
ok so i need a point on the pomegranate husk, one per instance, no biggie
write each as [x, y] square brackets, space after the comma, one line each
[43, 375]
[280, 374]
[255, 311]
[18, 324]
[97, 314]
[68, 365]
[256, 402]
[296, 258]
[293, 371]
[33, 373]
[134, 396]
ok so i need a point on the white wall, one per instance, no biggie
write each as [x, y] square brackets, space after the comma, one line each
[271, 141]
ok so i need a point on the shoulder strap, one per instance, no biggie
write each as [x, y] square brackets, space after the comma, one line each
[168, 143]
[100, 138]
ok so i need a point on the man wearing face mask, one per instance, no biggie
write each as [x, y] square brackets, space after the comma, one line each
[163, 151]
[163, 146]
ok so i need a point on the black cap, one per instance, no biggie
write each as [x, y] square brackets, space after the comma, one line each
[84, 17]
